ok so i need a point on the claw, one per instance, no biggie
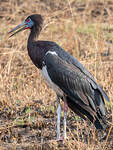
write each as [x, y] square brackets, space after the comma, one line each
[62, 138]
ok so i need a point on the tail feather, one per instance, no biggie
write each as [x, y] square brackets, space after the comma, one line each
[99, 103]
[98, 121]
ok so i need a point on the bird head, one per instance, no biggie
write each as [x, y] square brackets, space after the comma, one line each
[33, 22]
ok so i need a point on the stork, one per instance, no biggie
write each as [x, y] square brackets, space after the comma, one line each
[66, 76]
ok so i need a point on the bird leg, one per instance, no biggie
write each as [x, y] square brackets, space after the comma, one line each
[58, 117]
[65, 117]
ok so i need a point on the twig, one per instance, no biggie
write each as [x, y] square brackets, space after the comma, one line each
[107, 137]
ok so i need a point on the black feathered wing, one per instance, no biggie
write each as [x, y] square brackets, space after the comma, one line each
[71, 60]
[75, 85]
[65, 56]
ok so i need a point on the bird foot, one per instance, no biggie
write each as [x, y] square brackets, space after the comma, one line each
[62, 138]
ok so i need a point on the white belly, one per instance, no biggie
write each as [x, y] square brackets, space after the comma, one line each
[50, 83]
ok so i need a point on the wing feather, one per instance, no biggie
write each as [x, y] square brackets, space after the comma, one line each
[71, 60]
[70, 79]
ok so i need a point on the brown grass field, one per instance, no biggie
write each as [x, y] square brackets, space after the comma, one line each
[27, 105]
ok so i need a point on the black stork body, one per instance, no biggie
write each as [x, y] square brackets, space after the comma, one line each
[66, 76]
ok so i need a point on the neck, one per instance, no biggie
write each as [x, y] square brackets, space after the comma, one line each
[33, 50]
[34, 35]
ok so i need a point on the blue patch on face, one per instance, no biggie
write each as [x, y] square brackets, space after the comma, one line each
[30, 23]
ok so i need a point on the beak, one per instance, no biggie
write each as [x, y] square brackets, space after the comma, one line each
[21, 27]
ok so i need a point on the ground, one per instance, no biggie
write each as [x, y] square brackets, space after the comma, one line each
[27, 106]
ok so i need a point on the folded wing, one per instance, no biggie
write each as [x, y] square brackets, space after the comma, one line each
[75, 85]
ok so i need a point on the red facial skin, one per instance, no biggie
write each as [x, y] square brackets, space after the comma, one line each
[28, 20]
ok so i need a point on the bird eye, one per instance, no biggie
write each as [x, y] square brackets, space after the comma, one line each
[28, 20]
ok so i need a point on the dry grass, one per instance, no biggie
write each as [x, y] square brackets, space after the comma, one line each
[27, 105]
